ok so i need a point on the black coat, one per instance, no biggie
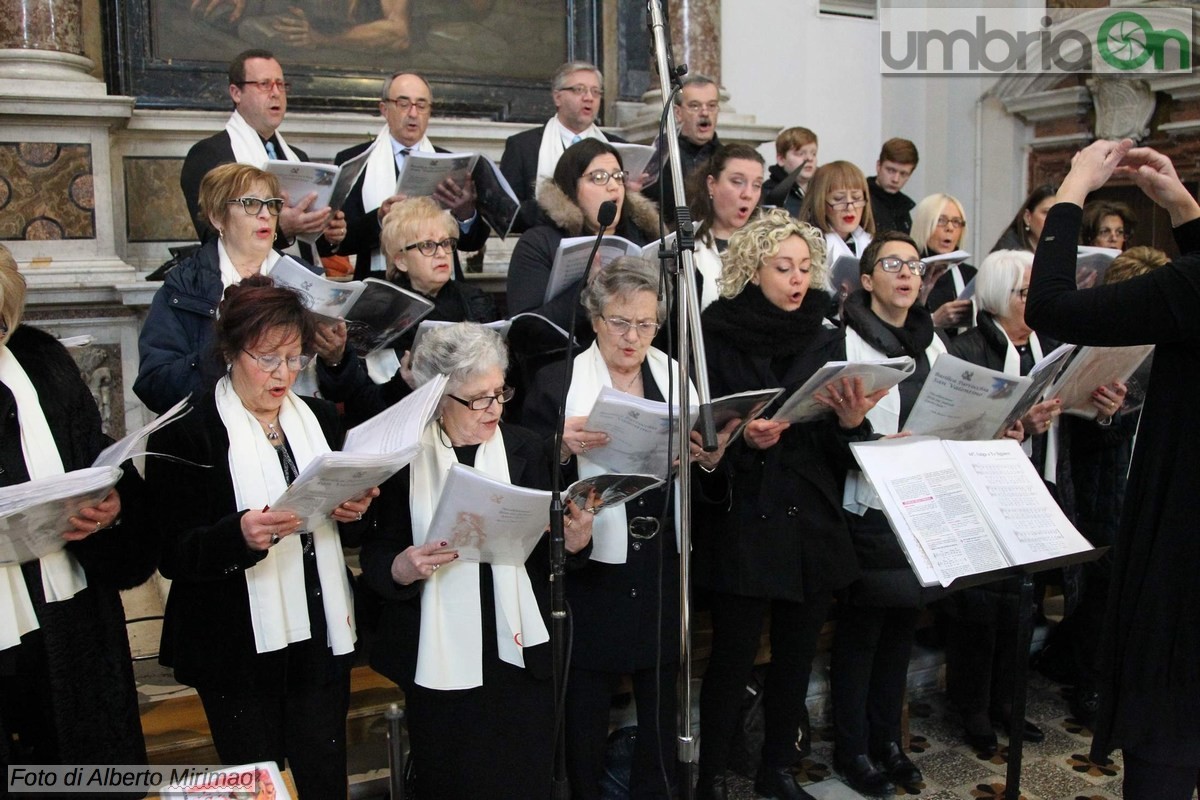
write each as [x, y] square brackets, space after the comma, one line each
[519, 165]
[207, 635]
[892, 212]
[362, 225]
[81, 650]
[691, 156]
[790, 200]
[780, 533]
[944, 292]
[1151, 657]
[394, 654]
[201, 158]
[615, 607]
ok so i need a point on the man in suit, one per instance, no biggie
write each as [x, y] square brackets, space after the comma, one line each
[406, 104]
[696, 109]
[259, 95]
[530, 156]
[891, 207]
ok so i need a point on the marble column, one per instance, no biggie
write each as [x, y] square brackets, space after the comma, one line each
[696, 35]
[43, 40]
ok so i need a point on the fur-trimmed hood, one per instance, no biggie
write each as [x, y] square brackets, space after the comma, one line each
[566, 213]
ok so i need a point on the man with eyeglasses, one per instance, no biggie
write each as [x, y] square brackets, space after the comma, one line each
[406, 105]
[891, 207]
[530, 156]
[251, 136]
[696, 109]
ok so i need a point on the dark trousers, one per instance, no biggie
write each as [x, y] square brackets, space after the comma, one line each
[301, 720]
[589, 700]
[980, 651]
[1147, 780]
[737, 626]
[868, 673]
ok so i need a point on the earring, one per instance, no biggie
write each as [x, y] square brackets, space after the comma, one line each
[220, 233]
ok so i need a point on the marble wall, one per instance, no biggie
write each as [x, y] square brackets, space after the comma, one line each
[46, 191]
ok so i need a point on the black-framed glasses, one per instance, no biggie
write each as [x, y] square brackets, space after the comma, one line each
[405, 103]
[845, 205]
[620, 326]
[600, 177]
[1022, 293]
[253, 205]
[893, 264]
[271, 362]
[266, 86]
[485, 402]
[953, 223]
[579, 90]
[644, 527]
[428, 247]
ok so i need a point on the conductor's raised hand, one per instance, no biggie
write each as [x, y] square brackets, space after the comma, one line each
[418, 562]
[1091, 168]
[1155, 175]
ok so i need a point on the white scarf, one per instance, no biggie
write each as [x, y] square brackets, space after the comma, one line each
[858, 494]
[610, 529]
[248, 147]
[275, 585]
[229, 273]
[708, 263]
[1012, 366]
[62, 575]
[379, 179]
[450, 650]
[836, 247]
[553, 146]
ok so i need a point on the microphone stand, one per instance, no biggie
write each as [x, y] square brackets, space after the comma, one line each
[689, 342]
[560, 788]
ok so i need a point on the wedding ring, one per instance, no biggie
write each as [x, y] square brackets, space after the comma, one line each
[435, 567]
[274, 538]
[583, 447]
[591, 510]
[360, 515]
[841, 399]
[98, 526]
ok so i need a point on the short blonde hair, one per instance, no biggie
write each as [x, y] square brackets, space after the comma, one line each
[829, 178]
[227, 181]
[752, 246]
[401, 224]
[925, 216]
[12, 294]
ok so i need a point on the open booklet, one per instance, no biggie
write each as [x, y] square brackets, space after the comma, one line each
[332, 184]
[570, 260]
[967, 508]
[1091, 263]
[376, 312]
[802, 406]
[1092, 367]
[373, 452]
[635, 158]
[34, 514]
[936, 266]
[639, 437]
[967, 402]
[493, 522]
[495, 201]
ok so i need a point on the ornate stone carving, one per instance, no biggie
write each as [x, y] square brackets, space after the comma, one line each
[1123, 107]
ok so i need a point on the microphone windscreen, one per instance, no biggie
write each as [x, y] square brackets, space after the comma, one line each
[607, 213]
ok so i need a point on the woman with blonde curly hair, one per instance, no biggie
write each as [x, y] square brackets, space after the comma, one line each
[779, 543]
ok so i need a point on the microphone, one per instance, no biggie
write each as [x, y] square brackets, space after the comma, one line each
[606, 215]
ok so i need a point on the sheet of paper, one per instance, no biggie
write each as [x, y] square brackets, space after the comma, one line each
[397, 428]
[332, 478]
[964, 401]
[876, 375]
[638, 430]
[34, 514]
[487, 520]
[422, 172]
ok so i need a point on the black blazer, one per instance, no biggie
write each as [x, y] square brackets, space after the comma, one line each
[207, 634]
[213, 152]
[394, 653]
[362, 225]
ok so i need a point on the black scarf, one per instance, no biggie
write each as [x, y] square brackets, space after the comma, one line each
[911, 340]
[753, 324]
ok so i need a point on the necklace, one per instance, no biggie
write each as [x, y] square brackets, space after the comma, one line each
[272, 431]
[637, 376]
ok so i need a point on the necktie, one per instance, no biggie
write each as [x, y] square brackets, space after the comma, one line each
[577, 139]
[403, 154]
[850, 244]
[271, 149]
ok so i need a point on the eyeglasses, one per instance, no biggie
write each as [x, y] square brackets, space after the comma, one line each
[846, 205]
[429, 246]
[951, 222]
[643, 527]
[600, 177]
[893, 264]
[579, 90]
[254, 205]
[696, 108]
[272, 362]
[485, 402]
[405, 103]
[1022, 293]
[645, 330]
[265, 86]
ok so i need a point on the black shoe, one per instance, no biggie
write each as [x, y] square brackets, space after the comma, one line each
[778, 782]
[1029, 732]
[979, 736]
[863, 776]
[712, 789]
[900, 770]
